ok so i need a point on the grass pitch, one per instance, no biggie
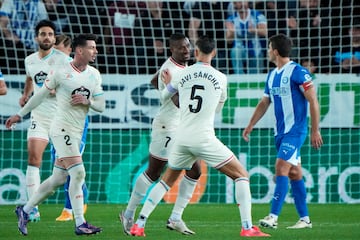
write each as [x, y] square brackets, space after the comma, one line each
[209, 221]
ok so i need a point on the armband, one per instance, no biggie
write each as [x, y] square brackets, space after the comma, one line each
[306, 85]
[170, 88]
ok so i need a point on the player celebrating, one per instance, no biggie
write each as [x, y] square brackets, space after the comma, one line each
[78, 88]
[202, 92]
[63, 44]
[289, 87]
[37, 66]
[162, 138]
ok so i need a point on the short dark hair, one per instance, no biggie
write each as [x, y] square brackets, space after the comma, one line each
[63, 39]
[176, 37]
[44, 23]
[205, 44]
[80, 40]
[282, 44]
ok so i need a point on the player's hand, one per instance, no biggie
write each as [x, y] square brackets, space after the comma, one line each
[23, 100]
[78, 99]
[316, 139]
[246, 133]
[166, 76]
[11, 121]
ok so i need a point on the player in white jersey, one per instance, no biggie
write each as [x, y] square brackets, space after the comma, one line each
[290, 88]
[202, 92]
[37, 66]
[164, 126]
[78, 88]
[63, 44]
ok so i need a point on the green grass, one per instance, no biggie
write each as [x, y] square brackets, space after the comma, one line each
[209, 221]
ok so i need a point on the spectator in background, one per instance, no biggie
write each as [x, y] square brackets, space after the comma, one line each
[58, 13]
[91, 16]
[3, 87]
[120, 43]
[307, 31]
[17, 21]
[244, 29]
[208, 18]
[349, 56]
[152, 30]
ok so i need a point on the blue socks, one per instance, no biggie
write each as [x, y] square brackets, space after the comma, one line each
[281, 189]
[299, 194]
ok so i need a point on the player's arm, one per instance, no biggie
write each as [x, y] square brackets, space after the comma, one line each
[28, 89]
[310, 95]
[34, 101]
[169, 91]
[154, 81]
[96, 103]
[259, 112]
[3, 87]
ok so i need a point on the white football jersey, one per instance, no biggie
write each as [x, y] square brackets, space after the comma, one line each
[168, 114]
[38, 68]
[201, 88]
[68, 81]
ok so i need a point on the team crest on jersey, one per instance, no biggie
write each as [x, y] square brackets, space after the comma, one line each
[285, 80]
[39, 78]
[82, 91]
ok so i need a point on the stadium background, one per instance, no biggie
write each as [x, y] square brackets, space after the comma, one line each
[117, 144]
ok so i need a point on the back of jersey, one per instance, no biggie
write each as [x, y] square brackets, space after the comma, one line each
[201, 88]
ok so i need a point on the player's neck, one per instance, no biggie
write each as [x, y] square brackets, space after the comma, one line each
[281, 61]
[43, 53]
[79, 65]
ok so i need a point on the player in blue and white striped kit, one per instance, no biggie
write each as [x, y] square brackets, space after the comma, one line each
[290, 89]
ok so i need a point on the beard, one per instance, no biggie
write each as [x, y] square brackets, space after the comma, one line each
[45, 46]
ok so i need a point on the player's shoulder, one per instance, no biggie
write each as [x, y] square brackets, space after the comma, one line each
[32, 57]
[171, 64]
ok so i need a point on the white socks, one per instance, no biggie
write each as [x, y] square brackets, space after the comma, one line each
[138, 193]
[243, 199]
[46, 188]
[186, 190]
[77, 178]
[32, 180]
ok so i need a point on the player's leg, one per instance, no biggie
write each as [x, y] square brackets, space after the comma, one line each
[46, 188]
[299, 194]
[36, 148]
[155, 196]
[66, 213]
[282, 169]
[142, 184]
[67, 144]
[233, 169]
[186, 189]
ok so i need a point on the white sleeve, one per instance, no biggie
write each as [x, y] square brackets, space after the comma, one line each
[34, 101]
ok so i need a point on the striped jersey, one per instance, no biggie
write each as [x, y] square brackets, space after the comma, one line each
[285, 88]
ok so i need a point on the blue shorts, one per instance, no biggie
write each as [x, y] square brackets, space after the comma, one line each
[288, 147]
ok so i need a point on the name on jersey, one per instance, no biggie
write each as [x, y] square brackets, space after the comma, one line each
[200, 74]
[82, 91]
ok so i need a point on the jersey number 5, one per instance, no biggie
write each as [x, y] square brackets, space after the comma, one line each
[192, 107]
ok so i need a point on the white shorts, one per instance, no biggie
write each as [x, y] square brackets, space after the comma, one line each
[39, 128]
[161, 142]
[66, 142]
[212, 151]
